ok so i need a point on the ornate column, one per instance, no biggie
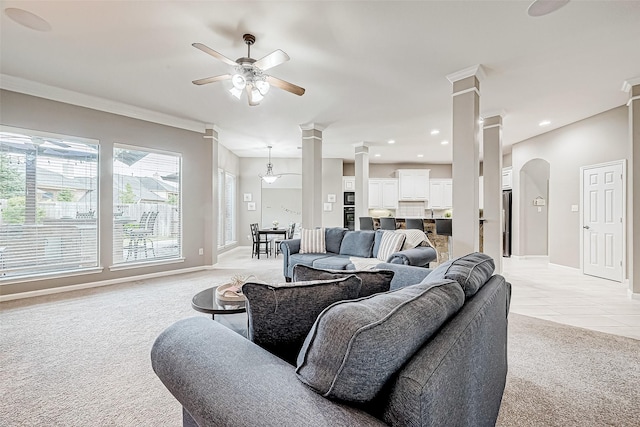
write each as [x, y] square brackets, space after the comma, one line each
[492, 173]
[632, 86]
[466, 153]
[362, 182]
[312, 175]
[211, 218]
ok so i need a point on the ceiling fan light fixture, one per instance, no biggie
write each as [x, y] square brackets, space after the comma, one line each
[256, 96]
[263, 87]
[236, 92]
[239, 82]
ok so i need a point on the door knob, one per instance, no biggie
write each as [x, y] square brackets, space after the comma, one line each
[586, 227]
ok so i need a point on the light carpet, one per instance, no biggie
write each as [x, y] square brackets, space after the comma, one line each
[82, 358]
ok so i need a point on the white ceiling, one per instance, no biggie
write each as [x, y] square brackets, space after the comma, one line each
[373, 70]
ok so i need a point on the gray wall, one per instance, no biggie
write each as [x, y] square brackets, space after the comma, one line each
[30, 112]
[534, 227]
[598, 139]
[228, 162]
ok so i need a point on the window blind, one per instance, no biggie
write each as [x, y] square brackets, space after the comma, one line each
[49, 203]
[146, 205]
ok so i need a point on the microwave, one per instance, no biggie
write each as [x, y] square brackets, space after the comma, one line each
[349, 198]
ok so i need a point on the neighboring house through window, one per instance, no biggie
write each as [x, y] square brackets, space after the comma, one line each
[146, 205]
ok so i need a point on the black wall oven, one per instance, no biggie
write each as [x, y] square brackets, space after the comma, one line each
[350, 218]
[349, 198]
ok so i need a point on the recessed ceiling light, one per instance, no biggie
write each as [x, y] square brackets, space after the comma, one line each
[544, 7]
[27, 19]
[391, 141]
[445, 142]
[420, 155]
[544, 123]
[435, 132]
[376, 155]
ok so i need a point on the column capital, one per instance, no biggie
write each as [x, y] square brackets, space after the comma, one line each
[312, 126]
[361, 149]
[629, 83]
[475, 70]
[490, 120]
[211, 132]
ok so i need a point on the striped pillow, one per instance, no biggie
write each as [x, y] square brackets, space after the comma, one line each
[312, 241]
[389, 244]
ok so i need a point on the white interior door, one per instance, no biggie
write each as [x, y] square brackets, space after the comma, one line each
[603, 220]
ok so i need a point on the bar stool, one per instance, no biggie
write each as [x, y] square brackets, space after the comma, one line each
[387, 223]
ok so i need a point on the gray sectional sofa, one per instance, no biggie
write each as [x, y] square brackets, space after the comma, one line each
[344, 249]
[431, 351]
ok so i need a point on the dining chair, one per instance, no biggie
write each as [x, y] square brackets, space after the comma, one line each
[366, 223]
[289, 235]
[414, 224]
[259, 245]
[387, 223]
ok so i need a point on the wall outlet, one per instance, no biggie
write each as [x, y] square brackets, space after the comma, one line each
[200, 251]
[574, 208]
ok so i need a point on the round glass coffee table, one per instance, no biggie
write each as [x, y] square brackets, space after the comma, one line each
[206, 302]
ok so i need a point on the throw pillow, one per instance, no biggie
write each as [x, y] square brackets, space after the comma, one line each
[357, 243]
[333, 238]
[280, 316]
[312, 241]
[373, 281]
[472, 271]
[355, 347]
[390, 243]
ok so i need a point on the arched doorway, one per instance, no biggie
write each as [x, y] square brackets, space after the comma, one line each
[534, 208]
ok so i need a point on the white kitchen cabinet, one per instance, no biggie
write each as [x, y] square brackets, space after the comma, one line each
[383, 193]
[413, 184]
[440, 194]
[507, 178]
[348, 183]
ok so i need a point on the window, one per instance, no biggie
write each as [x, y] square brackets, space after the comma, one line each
[226, 209]
[146, 205]
[49, 203]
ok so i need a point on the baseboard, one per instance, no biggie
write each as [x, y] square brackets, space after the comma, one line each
[80, 286]
[633, 295]
[523, 257]
[564, 267]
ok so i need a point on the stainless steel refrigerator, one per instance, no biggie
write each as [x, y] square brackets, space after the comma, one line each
[506, 223]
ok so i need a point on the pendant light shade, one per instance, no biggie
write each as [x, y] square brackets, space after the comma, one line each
[269, 177]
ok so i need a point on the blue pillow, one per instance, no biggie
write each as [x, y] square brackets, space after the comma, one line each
[333, 238]
[471, 271]
[358, 243]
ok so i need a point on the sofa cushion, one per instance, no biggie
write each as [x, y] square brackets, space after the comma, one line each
[357, 243]
[472, 271]
[376, 242]
[306, 259]
[312, 241]
[373, 281]
[390, 243]
[333, 238]
[334, 262]
[280, 316]
[356, 346]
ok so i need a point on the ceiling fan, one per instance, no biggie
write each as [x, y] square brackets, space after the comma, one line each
[249, 73]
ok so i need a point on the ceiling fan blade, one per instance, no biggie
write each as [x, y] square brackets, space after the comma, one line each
[289, 87]
[212, 79]
[215, 54]
[276, 57]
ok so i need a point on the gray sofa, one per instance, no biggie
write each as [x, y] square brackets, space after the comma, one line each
[455, 378]
[344, 248]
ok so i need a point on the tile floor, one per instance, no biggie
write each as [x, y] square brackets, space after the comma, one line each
[567, 296]
[549, 292]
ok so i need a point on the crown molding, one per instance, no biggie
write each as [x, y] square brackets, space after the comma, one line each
[475, 70]
[40, 90]
[313, 126]
[629, 83]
